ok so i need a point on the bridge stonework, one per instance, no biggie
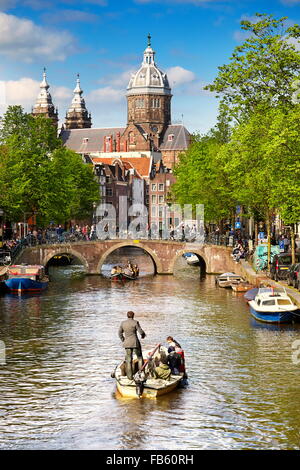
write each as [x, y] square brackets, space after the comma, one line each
[164, 254]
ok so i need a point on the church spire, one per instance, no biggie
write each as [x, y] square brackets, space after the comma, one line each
[77, 116]
[44, 105]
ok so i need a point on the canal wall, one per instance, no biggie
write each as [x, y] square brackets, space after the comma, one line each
[244, 269]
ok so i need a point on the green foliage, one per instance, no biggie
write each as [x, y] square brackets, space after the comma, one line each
[261, 70]
[39, 175]
[201, 179]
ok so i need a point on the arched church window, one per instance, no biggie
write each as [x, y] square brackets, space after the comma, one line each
[131, 138]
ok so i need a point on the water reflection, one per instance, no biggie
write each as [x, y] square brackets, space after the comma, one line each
[56, 389]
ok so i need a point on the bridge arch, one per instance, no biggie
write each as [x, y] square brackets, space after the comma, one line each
[156, 261]
[202, 259]
[65, 250]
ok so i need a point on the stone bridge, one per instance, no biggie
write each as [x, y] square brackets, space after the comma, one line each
[164, 253]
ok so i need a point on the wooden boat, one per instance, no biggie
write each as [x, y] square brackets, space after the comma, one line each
[273, 305]
[120, 274]
[241, 287]
[228, 280]
[26, 278]
[143, 385]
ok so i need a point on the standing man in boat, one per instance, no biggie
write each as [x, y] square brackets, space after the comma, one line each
[128, 335]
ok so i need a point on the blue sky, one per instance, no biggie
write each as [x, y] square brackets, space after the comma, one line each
[104, 40]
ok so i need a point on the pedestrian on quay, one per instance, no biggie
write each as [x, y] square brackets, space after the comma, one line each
[128, 334]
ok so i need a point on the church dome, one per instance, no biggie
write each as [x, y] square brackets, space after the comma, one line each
[149, 78]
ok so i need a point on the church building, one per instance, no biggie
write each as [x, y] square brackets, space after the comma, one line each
[149, 129]
[145, 150]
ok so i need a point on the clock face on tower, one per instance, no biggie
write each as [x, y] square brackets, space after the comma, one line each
[154, 128]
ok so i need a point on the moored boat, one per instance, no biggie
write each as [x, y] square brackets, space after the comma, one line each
[273, 305]
[3, 277]
[26, 278]
[241, 287]
[191, 259]
[228, 280]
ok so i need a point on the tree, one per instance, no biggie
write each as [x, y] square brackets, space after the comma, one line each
[261, 70]
[262, 162]
[39, 175]
[201, 180]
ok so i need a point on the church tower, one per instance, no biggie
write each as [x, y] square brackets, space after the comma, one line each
[149, 99]
[77, 116]
[44, 105]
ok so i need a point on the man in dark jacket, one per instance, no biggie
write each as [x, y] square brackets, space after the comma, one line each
[128, 335]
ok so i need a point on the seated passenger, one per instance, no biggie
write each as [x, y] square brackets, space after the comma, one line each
[162, 371]
[176, 356]
[172, 344]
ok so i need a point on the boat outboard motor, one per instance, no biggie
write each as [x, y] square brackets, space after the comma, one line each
[139, 379]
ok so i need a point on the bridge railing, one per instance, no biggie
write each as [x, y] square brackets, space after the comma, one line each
[68, 237]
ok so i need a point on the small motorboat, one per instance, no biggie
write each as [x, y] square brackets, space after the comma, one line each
[191, 259]
[273, 305]
[25, 278]
[228, 280]
[143, 384]
[250, 294]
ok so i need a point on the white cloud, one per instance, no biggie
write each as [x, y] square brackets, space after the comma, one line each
[23, 40]
[118, 80]
[23, 91]
[106, 94]
[178, 75]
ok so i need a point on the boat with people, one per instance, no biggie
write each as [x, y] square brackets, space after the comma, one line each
[25, 278]
[228, 280]
[144, 383]
[273, 305]
[129, 272]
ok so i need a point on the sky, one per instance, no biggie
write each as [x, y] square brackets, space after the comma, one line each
[104, 41]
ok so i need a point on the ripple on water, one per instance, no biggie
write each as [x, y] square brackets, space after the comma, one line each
[56, 389]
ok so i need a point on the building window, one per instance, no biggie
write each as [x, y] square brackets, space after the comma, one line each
[160, 211]
[153, 211]
[108, 179]
[131, 138]
[153, 187]
[109, 192]
[156, 103]
[139, 103]
[170, 137]
[160, 199]
[153, 199]
[161, 187]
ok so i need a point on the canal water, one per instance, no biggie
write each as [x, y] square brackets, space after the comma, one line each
[62, 345]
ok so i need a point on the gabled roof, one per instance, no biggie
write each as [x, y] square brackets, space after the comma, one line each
[74, 138]
[142, 165]
[181, 138]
